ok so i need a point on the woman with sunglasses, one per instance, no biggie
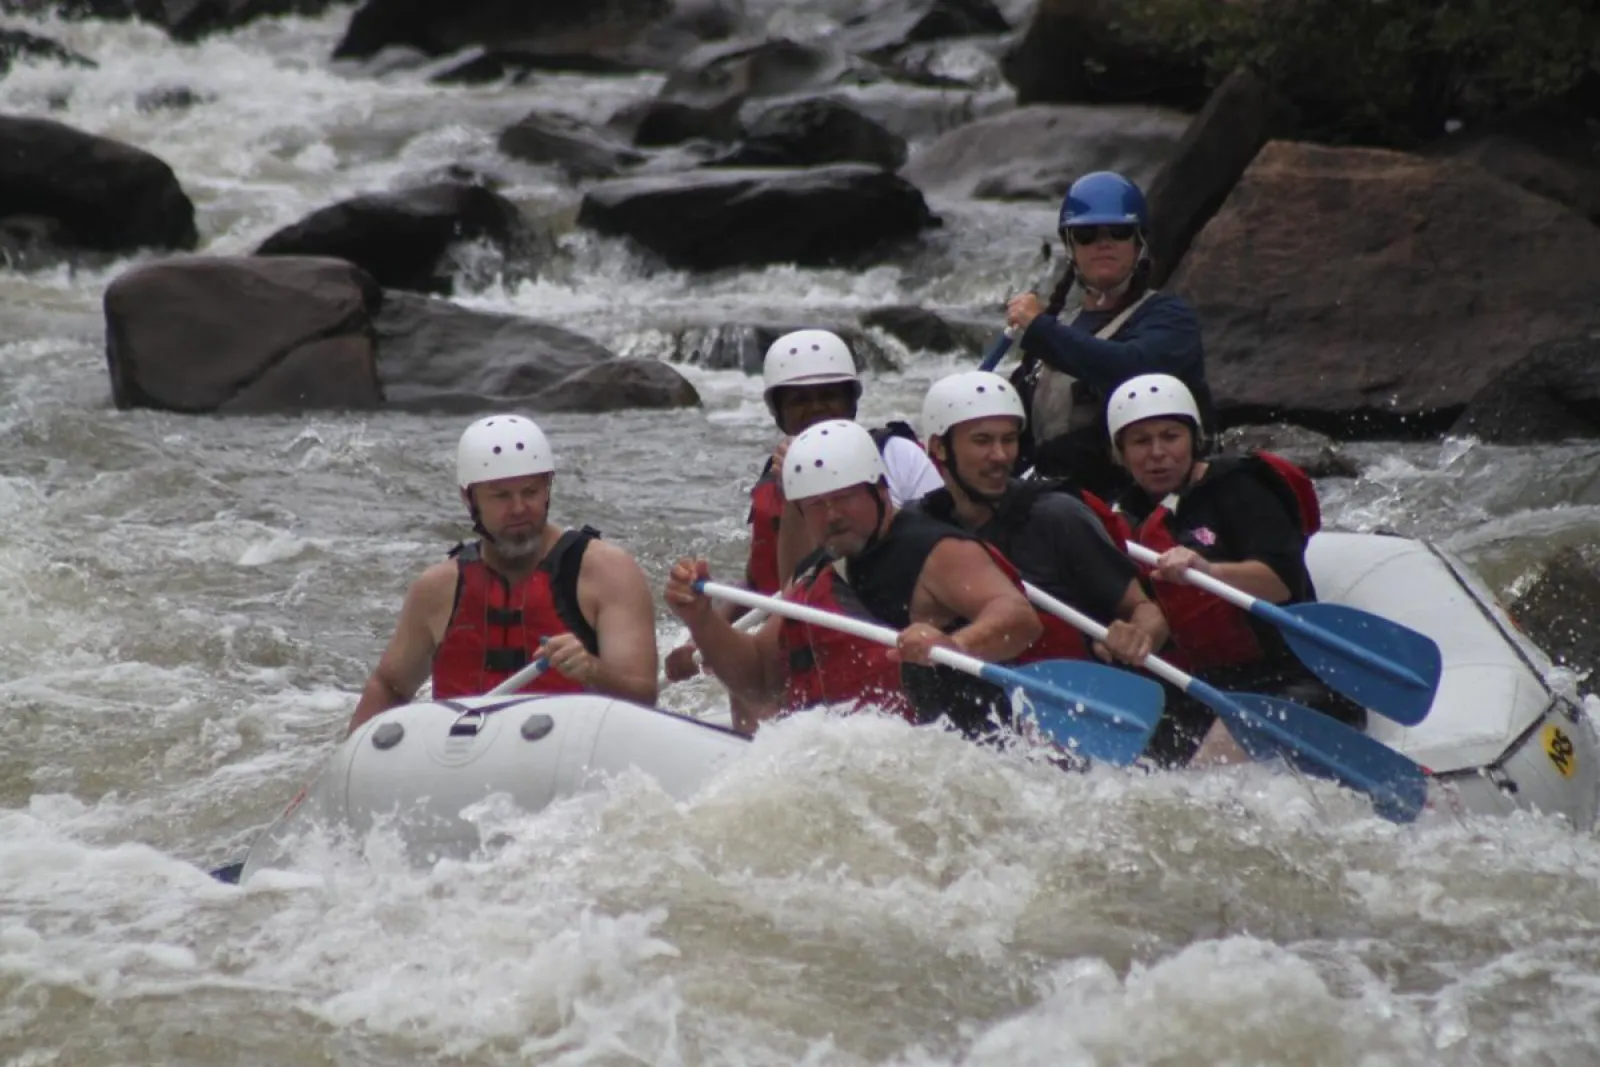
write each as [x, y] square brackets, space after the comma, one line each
[1122, 329]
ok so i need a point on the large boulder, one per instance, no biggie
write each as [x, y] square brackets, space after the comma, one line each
[100, 194]
[1202, 170]
[1369, 292]
[561, 140]
[1081, 51]
[439, 356]
[578, 34]
[921, 330]
[845, 213]
[1552, 149]
[703, 94]
[18, 44]
[1550, 395]
[241, 335]
[405, 240]
[890, 26]
[616, 385]
[812, 131]
[1035, 152]
[188, 20]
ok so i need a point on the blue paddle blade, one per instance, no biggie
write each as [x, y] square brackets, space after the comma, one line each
[230, 873]
[996, 352]
[1374, 661]
[1097, 711]
[1322, 746]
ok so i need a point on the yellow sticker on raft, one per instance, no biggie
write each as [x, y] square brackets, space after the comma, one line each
[1558, 746]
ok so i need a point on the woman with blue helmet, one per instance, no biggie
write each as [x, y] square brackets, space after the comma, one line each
[1123, 329]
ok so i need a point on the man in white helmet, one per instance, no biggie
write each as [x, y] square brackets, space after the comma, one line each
[810, 376]
[973, 422]
[934, 583]
[525, 588]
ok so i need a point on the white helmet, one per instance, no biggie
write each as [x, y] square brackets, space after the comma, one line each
[1150, 396]
[973, 394]
[807, 357]
[831, 455]
[502, 446]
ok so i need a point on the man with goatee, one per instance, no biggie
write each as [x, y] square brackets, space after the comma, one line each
[526, 588]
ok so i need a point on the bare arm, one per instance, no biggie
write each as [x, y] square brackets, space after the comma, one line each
[406, 663]
[1144, 614]
[961, 580]
[748, 664]
[1254, 577]
[794, 542]
[615, 597]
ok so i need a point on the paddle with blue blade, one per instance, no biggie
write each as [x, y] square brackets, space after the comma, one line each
[1091, 709]
[1378, 663]
[1267, 727]
[998, 350]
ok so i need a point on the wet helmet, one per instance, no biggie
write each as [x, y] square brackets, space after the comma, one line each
[1103, 198]
[973, 394]
[807, 357]
[829, 456]
[1150, 396]
[502, 446]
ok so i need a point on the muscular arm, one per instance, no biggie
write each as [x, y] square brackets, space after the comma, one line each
[1253, 577]
[614, 596]
[749, 665]
[1162, 337]
[1144, 614]
[406, 663]
[794, 542]
[961, 580]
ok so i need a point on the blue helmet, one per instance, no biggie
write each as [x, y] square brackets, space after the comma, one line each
[1103, 198]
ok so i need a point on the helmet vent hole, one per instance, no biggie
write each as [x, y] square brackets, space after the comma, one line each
[816, 463]
[519, 446]
[497, 450]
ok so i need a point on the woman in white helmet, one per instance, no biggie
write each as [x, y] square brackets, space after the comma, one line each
[525, 588]
[935, 584]
[1054, 535]
[809, 377]
[1244, 520]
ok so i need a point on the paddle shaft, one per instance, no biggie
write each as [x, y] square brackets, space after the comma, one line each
[882, 635]
[1154, 664]
[1275, 615]
[998, 350]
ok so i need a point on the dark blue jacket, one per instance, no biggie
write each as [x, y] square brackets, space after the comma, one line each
[1161, 337]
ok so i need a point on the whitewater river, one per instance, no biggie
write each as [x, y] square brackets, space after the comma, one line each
[191, 605]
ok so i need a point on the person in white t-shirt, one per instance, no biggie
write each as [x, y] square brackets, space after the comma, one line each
[810, 377]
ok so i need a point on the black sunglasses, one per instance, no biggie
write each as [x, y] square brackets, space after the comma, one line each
[1088, 235]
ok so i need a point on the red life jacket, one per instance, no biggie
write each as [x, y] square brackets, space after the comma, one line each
[495, 627]
[829, 667]
[1207, 631]
[766, 512]
[1060, 639]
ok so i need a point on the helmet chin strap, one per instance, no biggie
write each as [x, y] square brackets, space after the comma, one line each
[977, 496]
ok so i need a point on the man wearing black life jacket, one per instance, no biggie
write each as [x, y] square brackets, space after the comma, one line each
[526, 588]
[1245, 521]
[932, 582]
[974, 422]
[809, 377]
